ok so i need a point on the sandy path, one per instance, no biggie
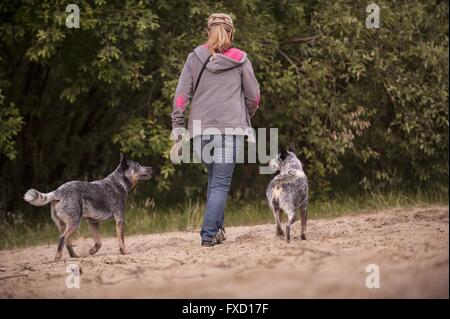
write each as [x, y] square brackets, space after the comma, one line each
[409, 245]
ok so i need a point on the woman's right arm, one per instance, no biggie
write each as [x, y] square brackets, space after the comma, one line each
[251, 88]
[183, 95]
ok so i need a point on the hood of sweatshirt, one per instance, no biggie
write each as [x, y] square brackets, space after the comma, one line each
[229, 59]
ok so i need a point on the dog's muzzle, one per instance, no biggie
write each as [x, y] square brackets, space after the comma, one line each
[274, 164]
[146, 174]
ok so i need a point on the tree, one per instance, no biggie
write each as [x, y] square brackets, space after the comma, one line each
[366, 108]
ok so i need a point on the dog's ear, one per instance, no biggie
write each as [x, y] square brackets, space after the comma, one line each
[123, 162]
[283, 152]
[292, 148]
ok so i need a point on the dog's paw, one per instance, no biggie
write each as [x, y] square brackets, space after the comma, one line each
[303, 237]
[58, 256]
[123, 251]
[93, 250]
[279, 232]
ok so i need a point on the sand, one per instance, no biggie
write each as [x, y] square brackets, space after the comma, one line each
[410, 247]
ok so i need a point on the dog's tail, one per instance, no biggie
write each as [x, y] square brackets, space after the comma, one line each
[37, 198]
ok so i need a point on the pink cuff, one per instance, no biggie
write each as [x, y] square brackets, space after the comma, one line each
[180, 102]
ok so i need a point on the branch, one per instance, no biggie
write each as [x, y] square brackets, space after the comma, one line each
[289, 60]
[295, 67]
[301, 40]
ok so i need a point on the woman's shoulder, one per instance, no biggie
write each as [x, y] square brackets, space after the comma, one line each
[190, 58]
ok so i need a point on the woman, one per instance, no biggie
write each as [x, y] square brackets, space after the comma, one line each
[224, 96]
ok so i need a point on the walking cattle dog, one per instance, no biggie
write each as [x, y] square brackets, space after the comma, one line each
[94, 201]
[288, 192]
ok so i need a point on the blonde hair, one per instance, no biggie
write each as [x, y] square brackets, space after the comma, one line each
[219, 39]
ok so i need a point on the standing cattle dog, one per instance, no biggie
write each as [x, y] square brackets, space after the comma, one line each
[288, 192]
[94, 201]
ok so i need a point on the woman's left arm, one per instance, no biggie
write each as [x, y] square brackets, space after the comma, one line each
[251, 88]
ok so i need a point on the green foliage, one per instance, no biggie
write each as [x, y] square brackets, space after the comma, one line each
[10, 125]
[366, 108]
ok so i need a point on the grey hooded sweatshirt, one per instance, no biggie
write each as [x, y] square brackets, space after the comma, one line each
[227, 95]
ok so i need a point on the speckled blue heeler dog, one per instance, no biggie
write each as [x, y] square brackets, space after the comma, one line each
[94, 201]
[288, 192]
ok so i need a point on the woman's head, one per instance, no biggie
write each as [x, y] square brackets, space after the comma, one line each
[220, 32]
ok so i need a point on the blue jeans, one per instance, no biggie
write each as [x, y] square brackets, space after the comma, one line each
[219, 153]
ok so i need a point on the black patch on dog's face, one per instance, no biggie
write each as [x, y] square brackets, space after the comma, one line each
[292, 148]
[283, 153]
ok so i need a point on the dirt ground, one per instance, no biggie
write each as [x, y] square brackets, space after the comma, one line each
[410, 246]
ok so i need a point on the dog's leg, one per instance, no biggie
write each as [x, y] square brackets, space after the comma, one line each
[303, 217]
[95, 227]
[291, 220]
[69, 246]
[62, 226]
[276, 211]
[277, 216]
[70, 249]
[56, 218]
[70, 229]
[120, 227]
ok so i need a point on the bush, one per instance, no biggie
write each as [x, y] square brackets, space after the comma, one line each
[366, 108]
